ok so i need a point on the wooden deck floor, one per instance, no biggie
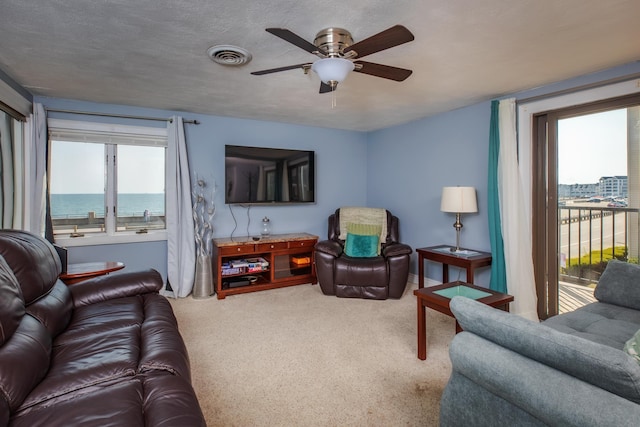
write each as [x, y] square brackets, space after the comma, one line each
[574, 296]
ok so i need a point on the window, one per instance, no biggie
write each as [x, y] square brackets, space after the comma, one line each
[106, 182]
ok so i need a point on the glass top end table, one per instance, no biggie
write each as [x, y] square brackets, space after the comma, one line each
[438, 298]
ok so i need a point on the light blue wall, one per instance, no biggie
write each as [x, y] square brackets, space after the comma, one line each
[408, 165]
[402, 168]
[340, 175]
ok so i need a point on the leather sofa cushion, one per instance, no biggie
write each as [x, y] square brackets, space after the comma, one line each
[112, 340]
[159, 401]
[169, 401]
[162, 346]
[94, 359]
[113, 405]
[115, 286]
[4, 412]
[103, 318]
[101, 343]
[34, 262]
[11, 302]
[54, 309]
[24, 361]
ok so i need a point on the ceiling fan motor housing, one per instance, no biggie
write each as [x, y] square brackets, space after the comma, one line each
[333, 41]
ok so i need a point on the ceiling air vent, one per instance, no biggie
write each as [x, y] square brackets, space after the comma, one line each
[228, 55]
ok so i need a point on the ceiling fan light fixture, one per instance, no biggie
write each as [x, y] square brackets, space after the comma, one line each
[332, 70]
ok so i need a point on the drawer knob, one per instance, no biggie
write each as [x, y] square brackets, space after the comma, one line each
[272, 246]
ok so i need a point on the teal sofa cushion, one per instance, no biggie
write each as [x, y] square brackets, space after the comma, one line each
[361, 246]
[619, 284]
[363, 240]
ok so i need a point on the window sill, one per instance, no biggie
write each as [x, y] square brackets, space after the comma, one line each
[120, 238]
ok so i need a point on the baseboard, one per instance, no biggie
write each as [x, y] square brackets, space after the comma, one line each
[413, 279]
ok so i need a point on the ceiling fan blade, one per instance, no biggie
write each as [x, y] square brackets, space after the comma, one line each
[295, 39]
[384, 71]
[324, 88]
[275, 70]
[386, 39]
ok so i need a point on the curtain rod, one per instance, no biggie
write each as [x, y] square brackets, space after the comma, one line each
[122, 116]
[579, 88]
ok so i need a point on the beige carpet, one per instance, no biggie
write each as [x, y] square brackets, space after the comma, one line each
[295, 357]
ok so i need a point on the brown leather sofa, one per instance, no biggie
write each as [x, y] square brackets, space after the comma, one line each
[104, 352]
[380, 277]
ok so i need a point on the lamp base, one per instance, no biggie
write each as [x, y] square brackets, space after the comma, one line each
[457, 225]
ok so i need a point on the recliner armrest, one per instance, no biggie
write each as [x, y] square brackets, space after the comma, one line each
[396, 249]
[117, 285]
[329, 247]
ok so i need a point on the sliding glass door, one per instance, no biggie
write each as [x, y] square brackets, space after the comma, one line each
[586, 199]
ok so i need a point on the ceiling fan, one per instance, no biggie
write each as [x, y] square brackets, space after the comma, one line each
[340, 55]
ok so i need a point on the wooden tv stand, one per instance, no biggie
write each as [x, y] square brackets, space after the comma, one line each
[289, 258]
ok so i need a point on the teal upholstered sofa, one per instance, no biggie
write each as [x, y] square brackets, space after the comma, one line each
[570, 370]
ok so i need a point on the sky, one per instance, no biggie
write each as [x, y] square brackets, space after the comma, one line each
[78, 168]
[592, 146]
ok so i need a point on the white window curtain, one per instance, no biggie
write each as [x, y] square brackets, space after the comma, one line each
[181, 262]
[11, 166]
[516, 228]
[36, 170]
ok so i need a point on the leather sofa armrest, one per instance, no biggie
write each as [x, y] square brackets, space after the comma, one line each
[329, 247]
[114, 286]
[396, 249]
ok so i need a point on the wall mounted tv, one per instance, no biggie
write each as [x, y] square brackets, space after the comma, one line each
[258, 175]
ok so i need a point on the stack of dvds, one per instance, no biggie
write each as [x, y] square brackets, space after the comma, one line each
[242, 266]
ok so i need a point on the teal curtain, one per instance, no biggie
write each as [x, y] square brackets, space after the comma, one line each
[498, 269]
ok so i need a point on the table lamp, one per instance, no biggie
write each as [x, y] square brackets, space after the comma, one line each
[458, 200]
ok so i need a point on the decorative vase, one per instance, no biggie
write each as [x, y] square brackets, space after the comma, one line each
[203, 283]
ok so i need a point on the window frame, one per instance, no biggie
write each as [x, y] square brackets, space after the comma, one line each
[111, 135]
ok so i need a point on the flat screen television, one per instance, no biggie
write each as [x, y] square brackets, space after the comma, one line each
[259, 175]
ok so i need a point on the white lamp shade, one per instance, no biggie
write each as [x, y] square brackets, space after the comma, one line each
[459, 200]
[332, 69]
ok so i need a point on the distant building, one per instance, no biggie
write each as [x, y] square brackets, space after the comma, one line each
[607, 186]
[613, 186]
[577, 191]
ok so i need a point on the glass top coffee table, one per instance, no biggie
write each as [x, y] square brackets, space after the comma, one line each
[438, 298]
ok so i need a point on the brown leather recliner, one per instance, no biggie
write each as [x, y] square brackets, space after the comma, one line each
[379, 277]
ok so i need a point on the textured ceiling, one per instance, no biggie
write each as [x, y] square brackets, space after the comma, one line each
[152, 53]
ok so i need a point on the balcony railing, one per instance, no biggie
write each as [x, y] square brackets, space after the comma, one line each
[92, 223]
[590, 236]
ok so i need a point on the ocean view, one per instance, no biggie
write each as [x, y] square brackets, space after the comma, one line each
[78, 205]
